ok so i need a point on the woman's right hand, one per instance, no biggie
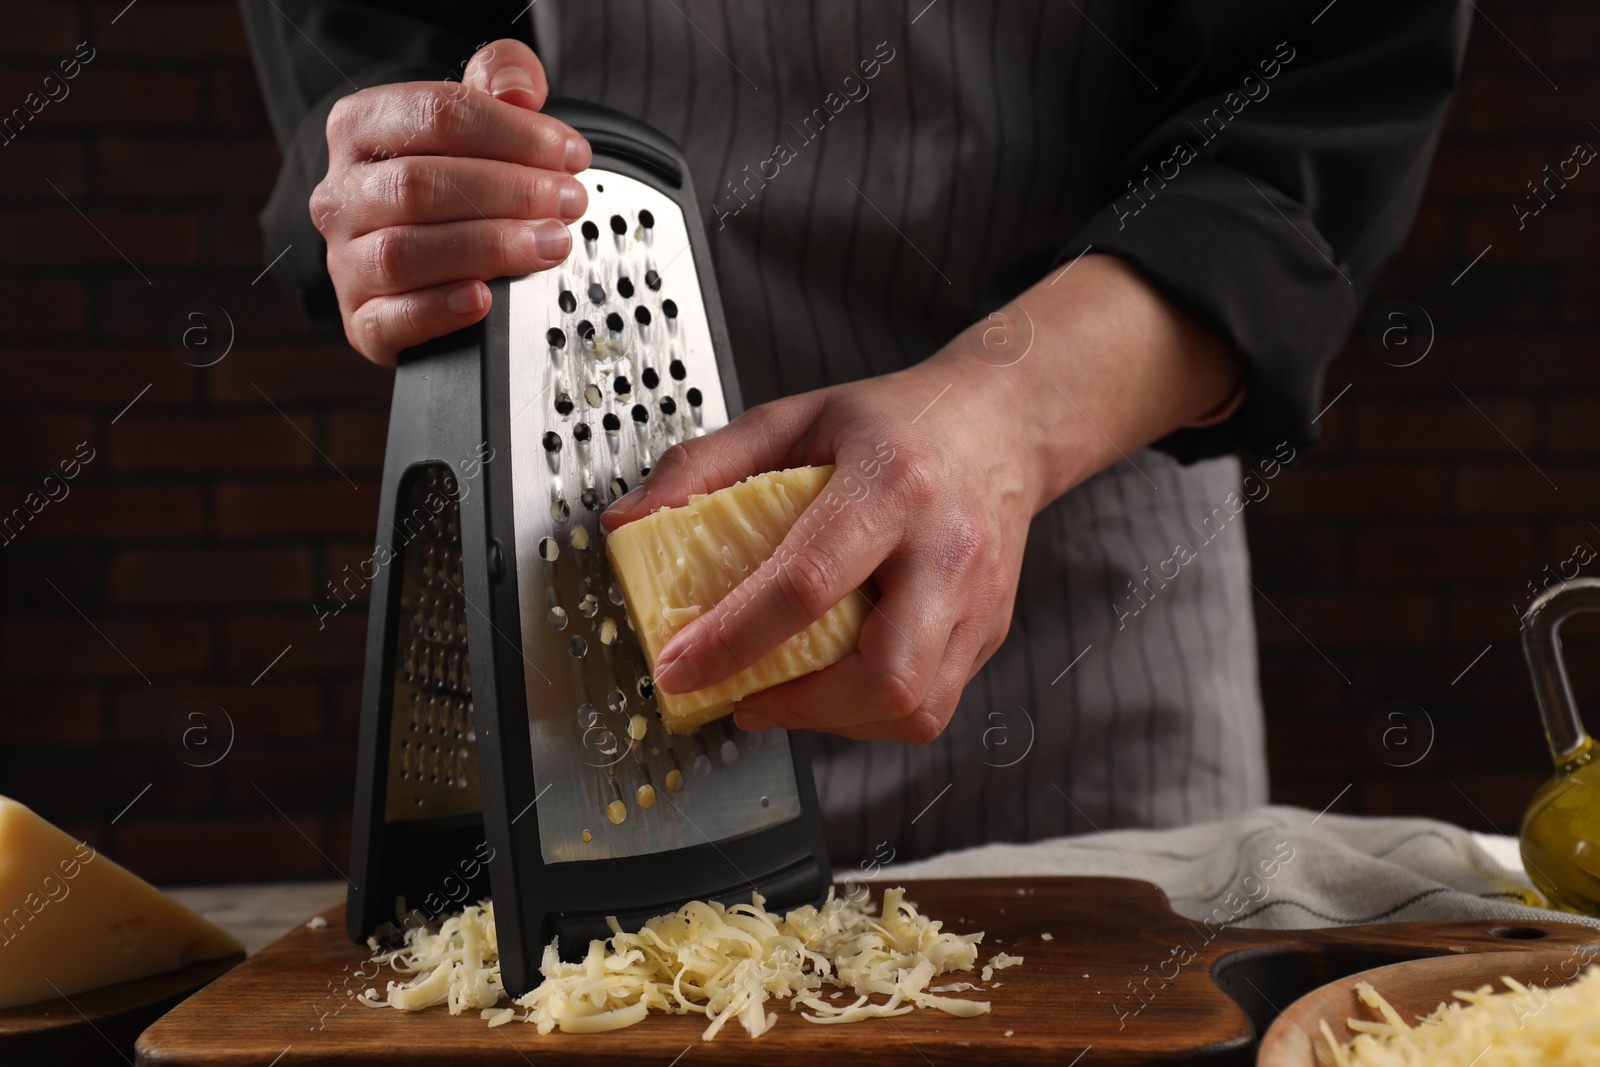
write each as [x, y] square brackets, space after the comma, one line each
[435, 187]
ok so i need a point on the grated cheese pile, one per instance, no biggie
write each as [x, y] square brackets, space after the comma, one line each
[1551, 1027]
[725, 963]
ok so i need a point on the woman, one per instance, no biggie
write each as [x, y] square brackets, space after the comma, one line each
[1057, 262]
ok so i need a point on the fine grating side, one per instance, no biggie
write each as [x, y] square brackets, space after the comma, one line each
[433, 741]
[611, 362]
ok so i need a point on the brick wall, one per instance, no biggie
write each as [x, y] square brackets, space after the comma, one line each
[174, 576]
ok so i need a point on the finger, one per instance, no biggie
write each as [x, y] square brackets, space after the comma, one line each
[398, 259]
[449, 119]
[508, 70]
[421, 189]
[832, 548]
[384, 326]
[885, 680]
[758, 441]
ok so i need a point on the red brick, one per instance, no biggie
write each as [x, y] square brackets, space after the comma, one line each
[106, 782]
[52, 716]
[262, 848]
[1575, 37]
[356, 440]
[1574, 426]
[1489, 617]
[315, 777]
[38, 445]
[1578, 288]
[233, 239]
[1479, 170]
[1295, 557]
[1495, 360]
[290, 508]
[54, 307]
[266, 711]
[148, 168]
[235, 99]
[1520, 101]
[116, 513]
[44, 29]
[71, 648]
[320, 372]
[138, 311]
[346, 703]
[1346, 492]
[221, 443]
[184, 30]
[108, 377]
[1485, 802]
[210, 577]
[250, 643]
[1432, 236]
[1528, 33]
[32, 155]
[36, 573]
[1298, 681]
[1495, 742]
[344, 567]
[119, 97]
[1522, 489]
[1442, 553]
[1296, 749]
[1332, 620]
[1448, 426]
[1563, 232]
[61, 237]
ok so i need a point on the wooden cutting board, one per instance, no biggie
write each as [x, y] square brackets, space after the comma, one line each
[1122, 980]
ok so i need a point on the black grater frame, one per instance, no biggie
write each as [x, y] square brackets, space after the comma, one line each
[786, 862]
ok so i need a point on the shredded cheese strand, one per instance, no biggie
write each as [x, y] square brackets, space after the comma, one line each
[1552, 1027]
[725, 963]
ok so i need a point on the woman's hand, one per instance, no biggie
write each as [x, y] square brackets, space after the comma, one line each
[940, 469]
[435, 187]
[934, 508]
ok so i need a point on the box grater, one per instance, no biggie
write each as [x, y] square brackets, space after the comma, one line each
[509, 741]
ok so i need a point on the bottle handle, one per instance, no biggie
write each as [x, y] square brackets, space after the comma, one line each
[1541, 645]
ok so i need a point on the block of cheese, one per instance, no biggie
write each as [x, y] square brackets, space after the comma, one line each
[677, 563]
[71, 920]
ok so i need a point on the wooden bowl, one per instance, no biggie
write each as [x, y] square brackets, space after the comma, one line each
[1415, 989]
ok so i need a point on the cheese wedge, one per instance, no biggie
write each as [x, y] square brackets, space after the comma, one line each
[71, 920]
[677, 563]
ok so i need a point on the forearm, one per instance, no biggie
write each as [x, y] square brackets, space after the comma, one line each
[1110, 365]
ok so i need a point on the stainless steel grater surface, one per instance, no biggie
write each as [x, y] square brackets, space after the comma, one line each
[611, 362]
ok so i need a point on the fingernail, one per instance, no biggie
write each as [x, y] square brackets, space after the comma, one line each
[679, 676]
[551, 240]
[751, 723]
[573, 199]
[578, 155]
[464, 299]
[630, 500]
[511, 80]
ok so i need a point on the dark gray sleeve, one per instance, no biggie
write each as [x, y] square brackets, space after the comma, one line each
[309, 53]
[1281, 166]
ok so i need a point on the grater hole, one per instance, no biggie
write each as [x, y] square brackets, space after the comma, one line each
[564, 404]
[677, 370]
[693, 397]
[611, 422]
[548, 549]
[618, 487]
[559, 510]
[591, 232]
[650, 378]
[669, 309]
[568, 302]
[624, 288]
[552, 441]
[641, 414]
[592, 395]
[702, 766]
[558, 618]
[614, 322]
[590, 497]
[597, 293]
[621, 385]
[619, 225]
[586, 330]
[581, 432]
[641, 315]
[729, 752]
[617, 702]
[556, 337]
[652, 279]
[647, 688]
[577, 646]
[647, 220]
[668, 406]
[589, 606]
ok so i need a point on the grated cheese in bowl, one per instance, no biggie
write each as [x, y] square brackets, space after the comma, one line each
[725, 963]
[1550, 1027]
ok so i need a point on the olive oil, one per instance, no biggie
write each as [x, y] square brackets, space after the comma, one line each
[1561, 835]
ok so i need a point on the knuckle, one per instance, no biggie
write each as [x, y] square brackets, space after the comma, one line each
[342, 118]
[893, 691]
[435, 110]
[407, 183]
[388, 257]
[916, 481]
[920, 727]
[805, 581]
